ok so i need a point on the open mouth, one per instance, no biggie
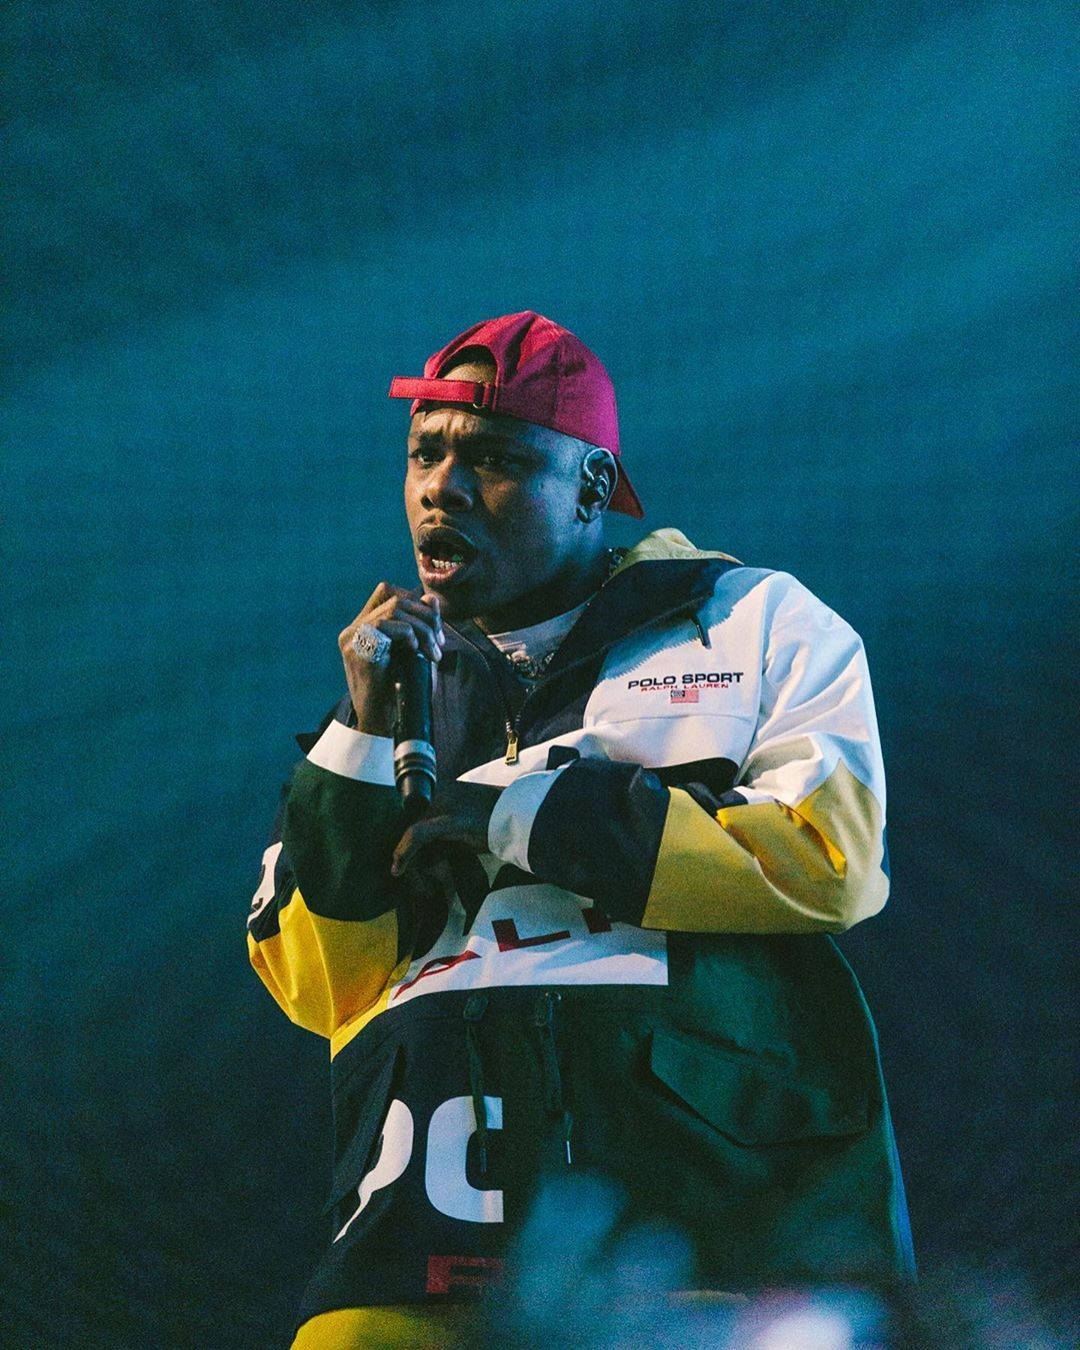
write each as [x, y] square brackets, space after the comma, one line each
[443, 554]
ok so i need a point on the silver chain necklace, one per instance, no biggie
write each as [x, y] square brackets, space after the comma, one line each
[532, 668]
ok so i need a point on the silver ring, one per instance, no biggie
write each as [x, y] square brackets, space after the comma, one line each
[372, 646]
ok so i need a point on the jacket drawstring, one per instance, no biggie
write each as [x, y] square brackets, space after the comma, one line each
[701, 629]
[475, 1007]
[544, 1020]
[554, 1105]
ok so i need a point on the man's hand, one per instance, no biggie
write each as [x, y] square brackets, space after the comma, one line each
[409, 623]
[459, 814]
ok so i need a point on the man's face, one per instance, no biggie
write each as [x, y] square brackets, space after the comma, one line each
[492, 508]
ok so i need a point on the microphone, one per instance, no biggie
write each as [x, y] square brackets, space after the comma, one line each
[414, 754]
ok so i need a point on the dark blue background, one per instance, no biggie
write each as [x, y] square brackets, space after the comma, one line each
[824, 251]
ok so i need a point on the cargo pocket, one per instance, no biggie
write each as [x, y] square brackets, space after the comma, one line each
[360, 1107]
[750, 1100]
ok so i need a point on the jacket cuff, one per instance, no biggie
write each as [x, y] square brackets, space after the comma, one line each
[354, 754]
[510, 826]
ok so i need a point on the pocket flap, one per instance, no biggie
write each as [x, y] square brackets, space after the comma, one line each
[748, 1099]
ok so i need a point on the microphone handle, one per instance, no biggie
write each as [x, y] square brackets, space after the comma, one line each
[414, 753]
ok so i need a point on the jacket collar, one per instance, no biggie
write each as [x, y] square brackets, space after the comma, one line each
[660, 578]
[647, 593]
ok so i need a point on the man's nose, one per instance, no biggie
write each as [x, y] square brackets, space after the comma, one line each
[449, 484]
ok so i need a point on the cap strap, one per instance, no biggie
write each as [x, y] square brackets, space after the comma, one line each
[479, 396]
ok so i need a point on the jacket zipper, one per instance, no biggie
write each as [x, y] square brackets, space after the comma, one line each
[512, 721]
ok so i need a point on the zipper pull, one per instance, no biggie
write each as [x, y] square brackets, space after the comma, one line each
[511, 744]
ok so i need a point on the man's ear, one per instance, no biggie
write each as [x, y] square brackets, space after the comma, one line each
[599, 474]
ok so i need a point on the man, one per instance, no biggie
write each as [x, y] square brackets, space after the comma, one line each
[605, 947]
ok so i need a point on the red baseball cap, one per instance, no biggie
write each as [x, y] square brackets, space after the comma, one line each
[543, 374]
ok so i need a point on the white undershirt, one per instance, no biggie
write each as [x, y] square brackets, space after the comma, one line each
[538, 640]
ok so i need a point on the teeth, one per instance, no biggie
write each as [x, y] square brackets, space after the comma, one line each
[447, 564]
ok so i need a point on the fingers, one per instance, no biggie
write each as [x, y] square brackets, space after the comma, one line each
[433, 830]
[414, 636]
[385, 600]
[412, 623]
[424, 622]
[415, 838]
[409, 621]
[434, 602]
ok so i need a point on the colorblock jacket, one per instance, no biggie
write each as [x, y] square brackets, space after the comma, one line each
[637, 978]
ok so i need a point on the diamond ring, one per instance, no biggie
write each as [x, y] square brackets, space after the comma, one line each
[372, 646]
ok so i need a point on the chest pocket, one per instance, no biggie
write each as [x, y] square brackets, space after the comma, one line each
[750, 1100]
[678, 704]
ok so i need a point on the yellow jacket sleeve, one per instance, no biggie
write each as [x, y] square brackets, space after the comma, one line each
[797, 845]
[328, 925]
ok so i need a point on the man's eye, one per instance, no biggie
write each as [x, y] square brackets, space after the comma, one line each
[424, 456]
